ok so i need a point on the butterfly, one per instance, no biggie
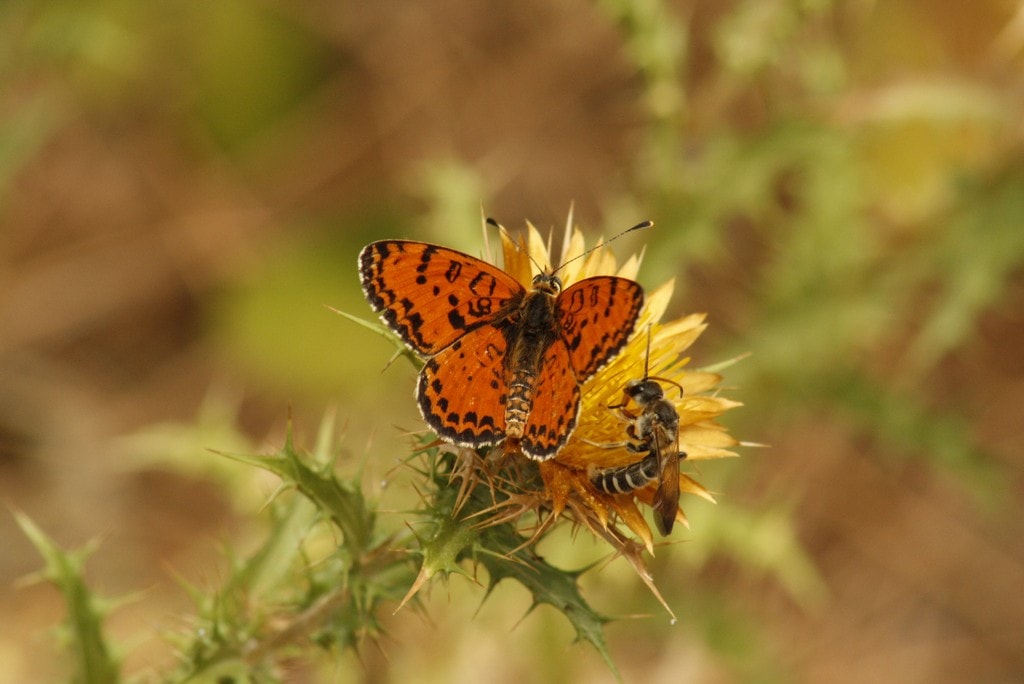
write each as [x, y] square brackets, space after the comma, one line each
[653, 430]
[503, 363]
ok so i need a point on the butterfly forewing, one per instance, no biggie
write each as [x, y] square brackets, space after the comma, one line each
[597, 316]
[429, 295]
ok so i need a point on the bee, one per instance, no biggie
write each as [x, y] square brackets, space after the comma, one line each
[652, 430]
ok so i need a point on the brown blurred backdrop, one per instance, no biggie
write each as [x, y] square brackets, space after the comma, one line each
[184, 187]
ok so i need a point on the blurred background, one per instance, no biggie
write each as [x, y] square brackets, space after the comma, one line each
[184, 188]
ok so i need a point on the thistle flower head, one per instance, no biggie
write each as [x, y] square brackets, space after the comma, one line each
[600, 442]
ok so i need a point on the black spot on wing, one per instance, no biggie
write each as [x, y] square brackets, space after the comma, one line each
[456, 320]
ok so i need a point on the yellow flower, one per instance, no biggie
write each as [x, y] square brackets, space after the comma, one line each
[567, 478]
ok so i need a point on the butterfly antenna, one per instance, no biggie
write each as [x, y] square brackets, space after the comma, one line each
[487, 234]
[639, 226]
[501, 228]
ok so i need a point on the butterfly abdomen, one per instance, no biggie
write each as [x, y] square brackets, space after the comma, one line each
[520, 398]
[529, 335]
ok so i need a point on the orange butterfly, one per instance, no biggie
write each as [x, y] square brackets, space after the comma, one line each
[655, 431]
[502, 363]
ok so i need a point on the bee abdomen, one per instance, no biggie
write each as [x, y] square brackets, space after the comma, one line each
[623, 479]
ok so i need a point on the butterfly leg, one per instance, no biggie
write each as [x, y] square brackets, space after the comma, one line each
[497, 457]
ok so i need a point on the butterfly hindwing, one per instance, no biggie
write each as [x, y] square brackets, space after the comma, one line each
[430, 295]
[462, 390]
[556, 405]
[597, 316]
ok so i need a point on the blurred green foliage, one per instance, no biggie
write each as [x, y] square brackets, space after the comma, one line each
[253, 66]
[259, 328]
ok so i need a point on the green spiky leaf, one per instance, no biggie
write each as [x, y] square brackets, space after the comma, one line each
[93, 661]
[342, 501]
[547, 584]
[505, 553]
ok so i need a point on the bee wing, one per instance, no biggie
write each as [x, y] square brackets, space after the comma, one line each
[666, 496]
